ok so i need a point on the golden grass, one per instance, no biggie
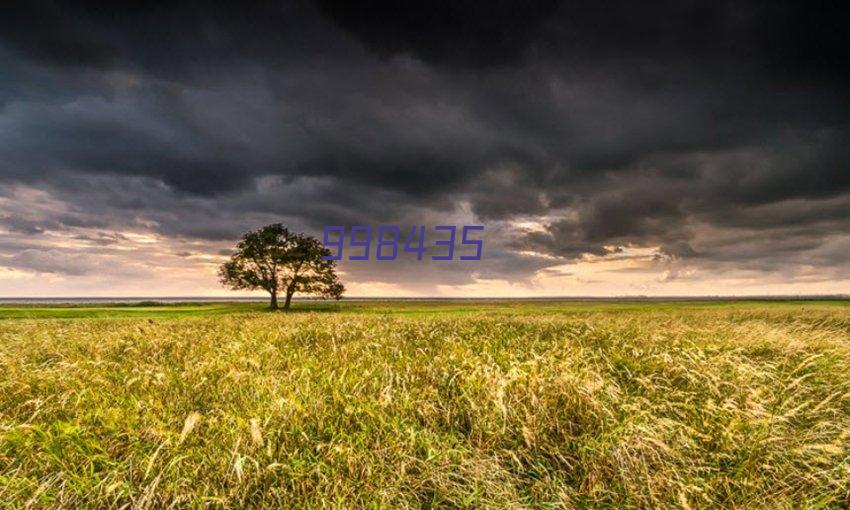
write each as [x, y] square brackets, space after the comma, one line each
[679, 408]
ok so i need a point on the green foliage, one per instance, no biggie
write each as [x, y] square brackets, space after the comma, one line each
[281, 262]
[513, 407]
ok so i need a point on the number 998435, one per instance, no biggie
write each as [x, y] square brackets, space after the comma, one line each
[388, 242]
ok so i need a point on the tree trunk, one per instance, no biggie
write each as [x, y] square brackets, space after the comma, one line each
[288, 300]
[273, 304]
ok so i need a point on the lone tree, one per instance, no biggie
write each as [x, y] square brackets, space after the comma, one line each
[281, 262]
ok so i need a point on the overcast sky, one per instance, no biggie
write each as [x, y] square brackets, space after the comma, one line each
[608, 148]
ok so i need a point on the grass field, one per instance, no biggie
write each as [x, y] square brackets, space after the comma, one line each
[427, 404]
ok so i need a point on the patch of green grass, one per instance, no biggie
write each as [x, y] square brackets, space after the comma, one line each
[542, 404]
[87, 311]
[411, 308]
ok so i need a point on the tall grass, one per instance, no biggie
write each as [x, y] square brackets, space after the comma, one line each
[707, 408]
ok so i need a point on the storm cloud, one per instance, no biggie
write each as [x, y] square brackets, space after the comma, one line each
[698, 139]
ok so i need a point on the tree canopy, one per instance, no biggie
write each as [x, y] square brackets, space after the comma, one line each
[282, 263]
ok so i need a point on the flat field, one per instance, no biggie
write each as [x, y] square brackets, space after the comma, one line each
[427, 405]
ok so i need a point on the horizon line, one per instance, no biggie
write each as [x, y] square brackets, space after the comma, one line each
[442, 298]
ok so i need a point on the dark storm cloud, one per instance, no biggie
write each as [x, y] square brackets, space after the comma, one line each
[24, 226]
[715, 130]
[461, 34]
